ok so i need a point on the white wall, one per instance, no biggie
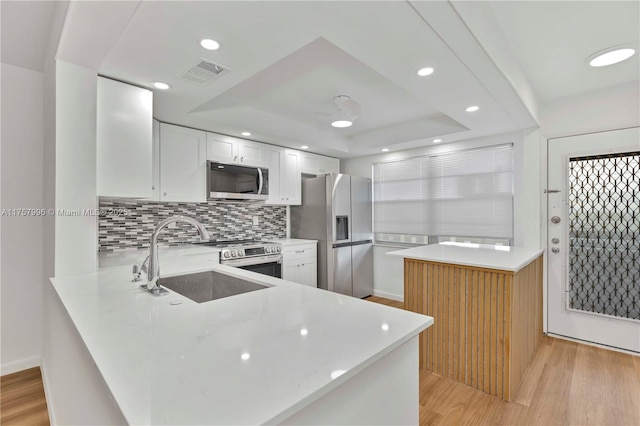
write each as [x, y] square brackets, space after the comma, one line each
[22, 187]
[76, 237]
[615, 107]
[388, 273]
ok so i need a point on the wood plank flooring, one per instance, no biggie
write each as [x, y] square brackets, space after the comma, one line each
[566, 383]
[22, 400]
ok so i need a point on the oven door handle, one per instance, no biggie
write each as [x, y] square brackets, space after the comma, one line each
[260, 181]
[252, 261]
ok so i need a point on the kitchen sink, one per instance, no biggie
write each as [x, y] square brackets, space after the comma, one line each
[205, 286]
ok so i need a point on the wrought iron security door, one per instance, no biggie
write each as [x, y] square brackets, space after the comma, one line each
[604, 235]
[593, 240]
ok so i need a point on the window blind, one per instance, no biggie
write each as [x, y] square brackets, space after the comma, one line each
[462, 193]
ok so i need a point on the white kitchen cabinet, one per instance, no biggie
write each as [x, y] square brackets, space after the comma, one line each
[227, 149]
[124, 138]
[285, 180]
[183, 164]
[315, 164]
[300, 264]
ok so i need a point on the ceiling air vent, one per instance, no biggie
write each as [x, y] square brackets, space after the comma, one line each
[203, 72]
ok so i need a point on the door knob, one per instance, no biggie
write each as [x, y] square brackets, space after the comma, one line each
[555, 250]
[555, 219]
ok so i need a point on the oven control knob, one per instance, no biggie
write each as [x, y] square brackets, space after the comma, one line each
[233, 253]
[279, 249]
[267, 249]
[226, 254]
[241, 252]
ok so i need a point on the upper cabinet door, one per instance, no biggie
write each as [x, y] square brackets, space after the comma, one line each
[227, 149]
[315, 164]
[252, 153]
[221, 148]
[291, 185]
[124, 140]
[183, 164]
[274, 156]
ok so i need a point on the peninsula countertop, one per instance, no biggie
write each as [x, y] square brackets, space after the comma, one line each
[504, 258]
[252, 358]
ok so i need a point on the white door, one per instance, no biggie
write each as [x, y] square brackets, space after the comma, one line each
[594, 238]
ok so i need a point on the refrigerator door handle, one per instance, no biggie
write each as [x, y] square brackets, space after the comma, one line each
[349, 243]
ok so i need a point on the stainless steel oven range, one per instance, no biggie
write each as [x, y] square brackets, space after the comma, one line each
[256, 256]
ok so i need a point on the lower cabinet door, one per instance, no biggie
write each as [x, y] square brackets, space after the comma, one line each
[308, 274]
[290, 271]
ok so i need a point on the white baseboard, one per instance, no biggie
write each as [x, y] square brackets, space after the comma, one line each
[392, 296]
[19, 365]
[47, 393]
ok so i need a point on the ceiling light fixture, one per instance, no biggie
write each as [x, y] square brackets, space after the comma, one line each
[385, 149]
[610, 56]
[473, 108]
[437, 140]
[246, 133]
[348, 111]
[423, 72]
[160, 85]
[209, 44]
[304, 147]
[342, 123]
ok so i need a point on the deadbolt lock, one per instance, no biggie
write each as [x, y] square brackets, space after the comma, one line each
[555, 250]
[555, 219]
[555, 240]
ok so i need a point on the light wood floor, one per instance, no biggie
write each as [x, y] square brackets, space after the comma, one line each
[566, 383]
[22, 399]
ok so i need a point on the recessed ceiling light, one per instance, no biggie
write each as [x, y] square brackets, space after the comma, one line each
[209, 44]
[160, 85]
[423, 72]
[304, 147]
[437, 140]
[341, 123]
[472, 108]
[245, 356]
[385, 149]
[610, 56]
[246, 133]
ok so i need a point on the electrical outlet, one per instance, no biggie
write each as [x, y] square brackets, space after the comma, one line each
[255, 221]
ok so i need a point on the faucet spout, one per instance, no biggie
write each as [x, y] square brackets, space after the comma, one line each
[153, 267]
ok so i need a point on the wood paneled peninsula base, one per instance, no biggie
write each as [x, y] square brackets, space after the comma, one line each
[486, 302]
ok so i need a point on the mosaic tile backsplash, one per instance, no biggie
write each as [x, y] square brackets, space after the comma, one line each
[129, 224]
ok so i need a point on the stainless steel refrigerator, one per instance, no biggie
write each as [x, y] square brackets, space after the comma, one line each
[336, 211]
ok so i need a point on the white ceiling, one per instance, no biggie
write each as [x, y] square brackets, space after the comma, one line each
[553, 40]
[287, 61]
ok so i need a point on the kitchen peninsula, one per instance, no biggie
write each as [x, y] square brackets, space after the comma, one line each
[487, 305]
[287, 354]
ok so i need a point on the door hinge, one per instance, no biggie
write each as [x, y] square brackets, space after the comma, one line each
[551, 191]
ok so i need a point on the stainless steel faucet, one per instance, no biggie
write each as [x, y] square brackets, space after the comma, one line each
[152, 263]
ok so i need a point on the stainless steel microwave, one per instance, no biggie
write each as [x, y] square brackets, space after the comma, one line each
[233, 182]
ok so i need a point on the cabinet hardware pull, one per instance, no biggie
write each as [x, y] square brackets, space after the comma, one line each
[235, 158]
[153, 187]
[242, 159]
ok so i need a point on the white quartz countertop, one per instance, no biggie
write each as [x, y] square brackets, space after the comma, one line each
[478, 255]
[253, 358]
[292, 241]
